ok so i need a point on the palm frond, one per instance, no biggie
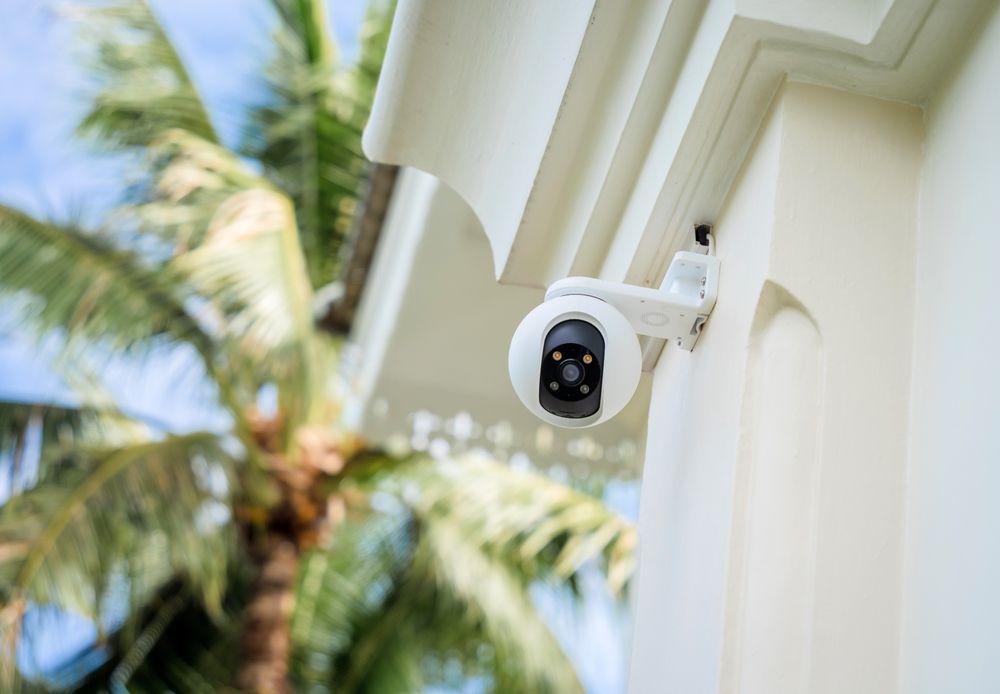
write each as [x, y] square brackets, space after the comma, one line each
[251, 264]
[33, 435]
[190, 178]
[241, 253]
[307, 133]
[26, 429]
[194, 652]
[143, 87]
[84, 285]
[178, 647]
[102, 299]
[545, 529]
[109, 528]
[384, 578]
[487, 591]
[340, 589]
[467, 539]
[401, 664]
[307, 21]
[374, 38]
[139, 650]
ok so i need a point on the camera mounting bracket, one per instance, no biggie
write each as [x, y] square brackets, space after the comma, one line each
[676, 311]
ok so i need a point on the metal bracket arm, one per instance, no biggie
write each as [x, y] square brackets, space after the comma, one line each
[677, 311]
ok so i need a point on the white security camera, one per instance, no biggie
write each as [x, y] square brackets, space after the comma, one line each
[575, 359]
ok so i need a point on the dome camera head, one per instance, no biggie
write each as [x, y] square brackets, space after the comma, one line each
[575, 360]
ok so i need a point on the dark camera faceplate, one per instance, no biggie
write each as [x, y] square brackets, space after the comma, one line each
[577, 342]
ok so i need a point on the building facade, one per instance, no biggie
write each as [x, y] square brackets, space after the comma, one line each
[817, 510]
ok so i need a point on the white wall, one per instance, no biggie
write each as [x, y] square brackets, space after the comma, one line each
[952, 615]
[772, 501]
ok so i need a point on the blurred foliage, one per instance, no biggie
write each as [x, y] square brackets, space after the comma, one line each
[279, 554]
[143, 86]
[308, 134]
[447, 559]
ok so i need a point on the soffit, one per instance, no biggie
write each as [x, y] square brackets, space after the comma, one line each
[428, 356]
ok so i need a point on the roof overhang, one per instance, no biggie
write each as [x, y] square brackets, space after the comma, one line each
[588, 137]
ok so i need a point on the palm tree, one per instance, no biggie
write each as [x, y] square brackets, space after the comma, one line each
[278, 553]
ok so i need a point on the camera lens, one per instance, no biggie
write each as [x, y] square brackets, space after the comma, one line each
[571, 372]
[571, 369]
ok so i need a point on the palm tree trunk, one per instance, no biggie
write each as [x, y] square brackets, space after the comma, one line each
[267, 633]
[291, 526]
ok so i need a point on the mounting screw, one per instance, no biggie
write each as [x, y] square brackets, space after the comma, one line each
[702, 294]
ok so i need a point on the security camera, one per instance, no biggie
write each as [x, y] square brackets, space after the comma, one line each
[575, 359]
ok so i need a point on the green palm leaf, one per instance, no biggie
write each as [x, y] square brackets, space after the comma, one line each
[109, 528]
[482, 588]
[54, 427]
[251, 264]
[244, 257]
[143, 87]
[448, 558]
[86, 286]
[307, 134]
[373, 606]
[545, 529]
[400, 666]
[342, 588]
[104, 300]
[177, 646]
[190, 178]
[185, 649]
[34, 436]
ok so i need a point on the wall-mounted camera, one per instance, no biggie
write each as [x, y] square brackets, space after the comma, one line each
[575, 360]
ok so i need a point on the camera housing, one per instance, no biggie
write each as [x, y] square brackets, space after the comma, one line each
[563, 331]
[575, 360]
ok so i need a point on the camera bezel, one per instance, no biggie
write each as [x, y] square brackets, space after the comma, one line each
[572, 341]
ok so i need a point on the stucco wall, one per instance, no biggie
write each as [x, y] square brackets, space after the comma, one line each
[687, 482]
[771, 522]
[821, 472]
[952, 583]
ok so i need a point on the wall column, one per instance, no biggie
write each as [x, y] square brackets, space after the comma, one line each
[772, 502]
